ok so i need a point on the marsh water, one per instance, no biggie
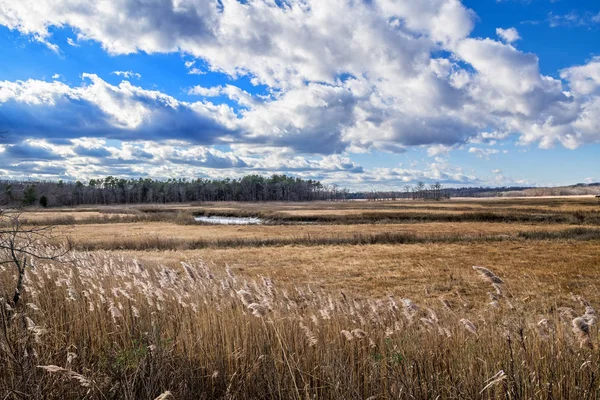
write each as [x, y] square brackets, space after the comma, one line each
[229, 220]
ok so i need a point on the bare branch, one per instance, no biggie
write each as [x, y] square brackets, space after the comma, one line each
[19, 245]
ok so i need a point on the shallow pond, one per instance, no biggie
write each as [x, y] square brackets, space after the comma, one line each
[229, 220]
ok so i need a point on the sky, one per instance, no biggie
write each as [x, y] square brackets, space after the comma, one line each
[365, 94]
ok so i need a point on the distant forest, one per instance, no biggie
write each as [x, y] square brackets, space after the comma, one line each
[111, 190]
[251, 188]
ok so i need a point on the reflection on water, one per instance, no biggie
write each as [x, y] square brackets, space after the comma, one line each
[229, 220]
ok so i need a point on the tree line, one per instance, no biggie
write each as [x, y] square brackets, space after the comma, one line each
[251, 188]
[112, 190]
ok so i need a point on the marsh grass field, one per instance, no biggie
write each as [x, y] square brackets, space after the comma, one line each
[324, 300]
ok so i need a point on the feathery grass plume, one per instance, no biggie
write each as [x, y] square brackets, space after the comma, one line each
[498, 288]
[488, 275]
[70, 357]
[135, 311]
[581, 329]
[246, 297]
[445, 304]
[230, 274]
[164, 396]
[83, 381]
[493, 300]
[189, 271]
[270, 288]
[258, 310]
[566, 314]
[469, 326]
[37, 330]
[543, 329]
[359, 333]
[347, 335]
[393, 306]
[410, 309]
[52, 368]
[494, 380]
[428, 323]
[581, 300]
[325, 314]
[115, 313]
[432, 315]
[310, 336]
[590, 315]
[314, 319]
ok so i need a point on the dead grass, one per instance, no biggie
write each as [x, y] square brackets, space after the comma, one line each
[155, 235]
[410, 270]
[134, 324]
[531, 210]
[104, 326]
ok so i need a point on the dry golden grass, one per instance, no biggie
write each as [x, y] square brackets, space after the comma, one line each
[135, 324]
[37, 216]
[453, 206]
[410, 270]
[108, 233]
[100, 326]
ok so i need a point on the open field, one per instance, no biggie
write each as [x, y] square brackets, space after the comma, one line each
[412, 270]
[174, 236]
[349, 300]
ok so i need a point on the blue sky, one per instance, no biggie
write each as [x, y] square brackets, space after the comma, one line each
[484, 92]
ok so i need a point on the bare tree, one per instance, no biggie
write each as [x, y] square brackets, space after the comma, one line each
[421, 189]
[19, 245]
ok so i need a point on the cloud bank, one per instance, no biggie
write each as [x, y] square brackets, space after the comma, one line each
[389, 76]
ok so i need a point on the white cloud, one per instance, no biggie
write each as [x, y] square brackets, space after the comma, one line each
[206, 92]
[483, 153]
[389, 75]
[438, 150]
[584, 79]
[196, 71]
[97, 109]
[72, 43]
[573, 19]
[127, 74]
[509, 35]
[56, 76]
[192, 70]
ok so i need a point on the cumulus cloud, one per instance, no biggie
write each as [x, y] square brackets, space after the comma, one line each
[367, 81]
[509, 35]
[584, 79]
[390, 75]
[206, 92]
[97, 109]
[28, 151]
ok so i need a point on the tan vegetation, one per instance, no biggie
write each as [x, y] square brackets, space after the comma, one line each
[101, 326]
[502, 310]
[115, 236]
